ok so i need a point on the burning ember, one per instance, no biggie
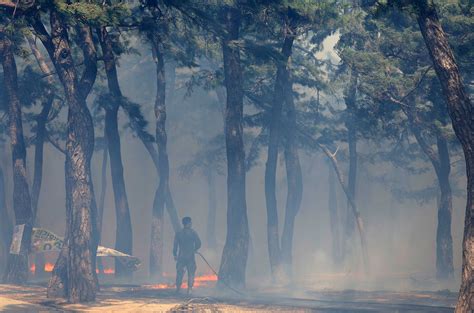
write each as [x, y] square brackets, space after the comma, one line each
[48, 267]
[199, 281]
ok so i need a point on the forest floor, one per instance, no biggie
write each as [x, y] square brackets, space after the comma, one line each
[128, 298]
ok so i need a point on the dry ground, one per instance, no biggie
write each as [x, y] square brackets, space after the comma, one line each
[143, 299]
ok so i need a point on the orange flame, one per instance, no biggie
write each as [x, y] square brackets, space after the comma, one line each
[199, 281]
[109, 271]
[206, 278]
[48, 267]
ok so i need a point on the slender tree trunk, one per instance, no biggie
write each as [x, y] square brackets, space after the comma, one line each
[74, 274]
[100, 208]
[17, 264]
[235, 253]
[123, 231]
[273, 235]
[441, 163]
[442, 166]
[103, 189]
[462, 116]
[159, 203]
[171, 209]
[350, 101]
[5, 224]
[211, 215]
[42, 119]
[169, 203]
[334, 218]
[444, 239]
[294, 179]
[293, 203]
[38, 174]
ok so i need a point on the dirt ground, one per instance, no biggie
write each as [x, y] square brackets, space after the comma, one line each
[145, 299]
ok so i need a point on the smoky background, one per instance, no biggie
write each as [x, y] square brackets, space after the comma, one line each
[400, 232]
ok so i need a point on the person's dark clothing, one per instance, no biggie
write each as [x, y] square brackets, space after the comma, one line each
[190, 266]
[186, 243]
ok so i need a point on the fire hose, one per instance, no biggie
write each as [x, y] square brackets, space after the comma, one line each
[215, 273]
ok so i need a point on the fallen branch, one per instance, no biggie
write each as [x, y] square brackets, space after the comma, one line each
[350, 199]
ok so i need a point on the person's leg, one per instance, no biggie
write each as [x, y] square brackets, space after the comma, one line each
[179, 274]
[191, 267]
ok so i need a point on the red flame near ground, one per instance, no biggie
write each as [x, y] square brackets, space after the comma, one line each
[48, 267]
[199, 281]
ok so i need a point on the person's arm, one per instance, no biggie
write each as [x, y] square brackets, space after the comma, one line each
[197, 242]
[175, 246]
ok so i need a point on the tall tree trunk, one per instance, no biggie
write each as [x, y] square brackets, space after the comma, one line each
[74, 275]
[444, 239]
[442, 166]
[293, 203]
[334, 218]
[169, 203]
[157, 231]
[103, 189]
[462, 116]
[350, 101]
[273, 235]
[235, 253]
[41, 121]
[17, 264]
[5, 224]
[293, 177]
[211, 215]
[100, 208]
[123, 230]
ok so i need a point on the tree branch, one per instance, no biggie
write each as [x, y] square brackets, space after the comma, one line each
[55, 143]
[90, 59]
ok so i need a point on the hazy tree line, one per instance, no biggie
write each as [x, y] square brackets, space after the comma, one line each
[405, 72]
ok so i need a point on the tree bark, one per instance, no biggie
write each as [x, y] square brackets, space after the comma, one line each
[123, 231]
[441, 163]
[273, 235]
[100, 208]
[350, 99]
[41, 121]
[169, 203]
[16, 271]
[235, 253]
[159, 203]
[74, 275]
[5, 224]
[211, 216]
[444, 239]
[293, 177]
[103, 189]
[334, 218]
[462, 115]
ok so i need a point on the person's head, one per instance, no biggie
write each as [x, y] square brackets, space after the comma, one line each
[187, 223]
